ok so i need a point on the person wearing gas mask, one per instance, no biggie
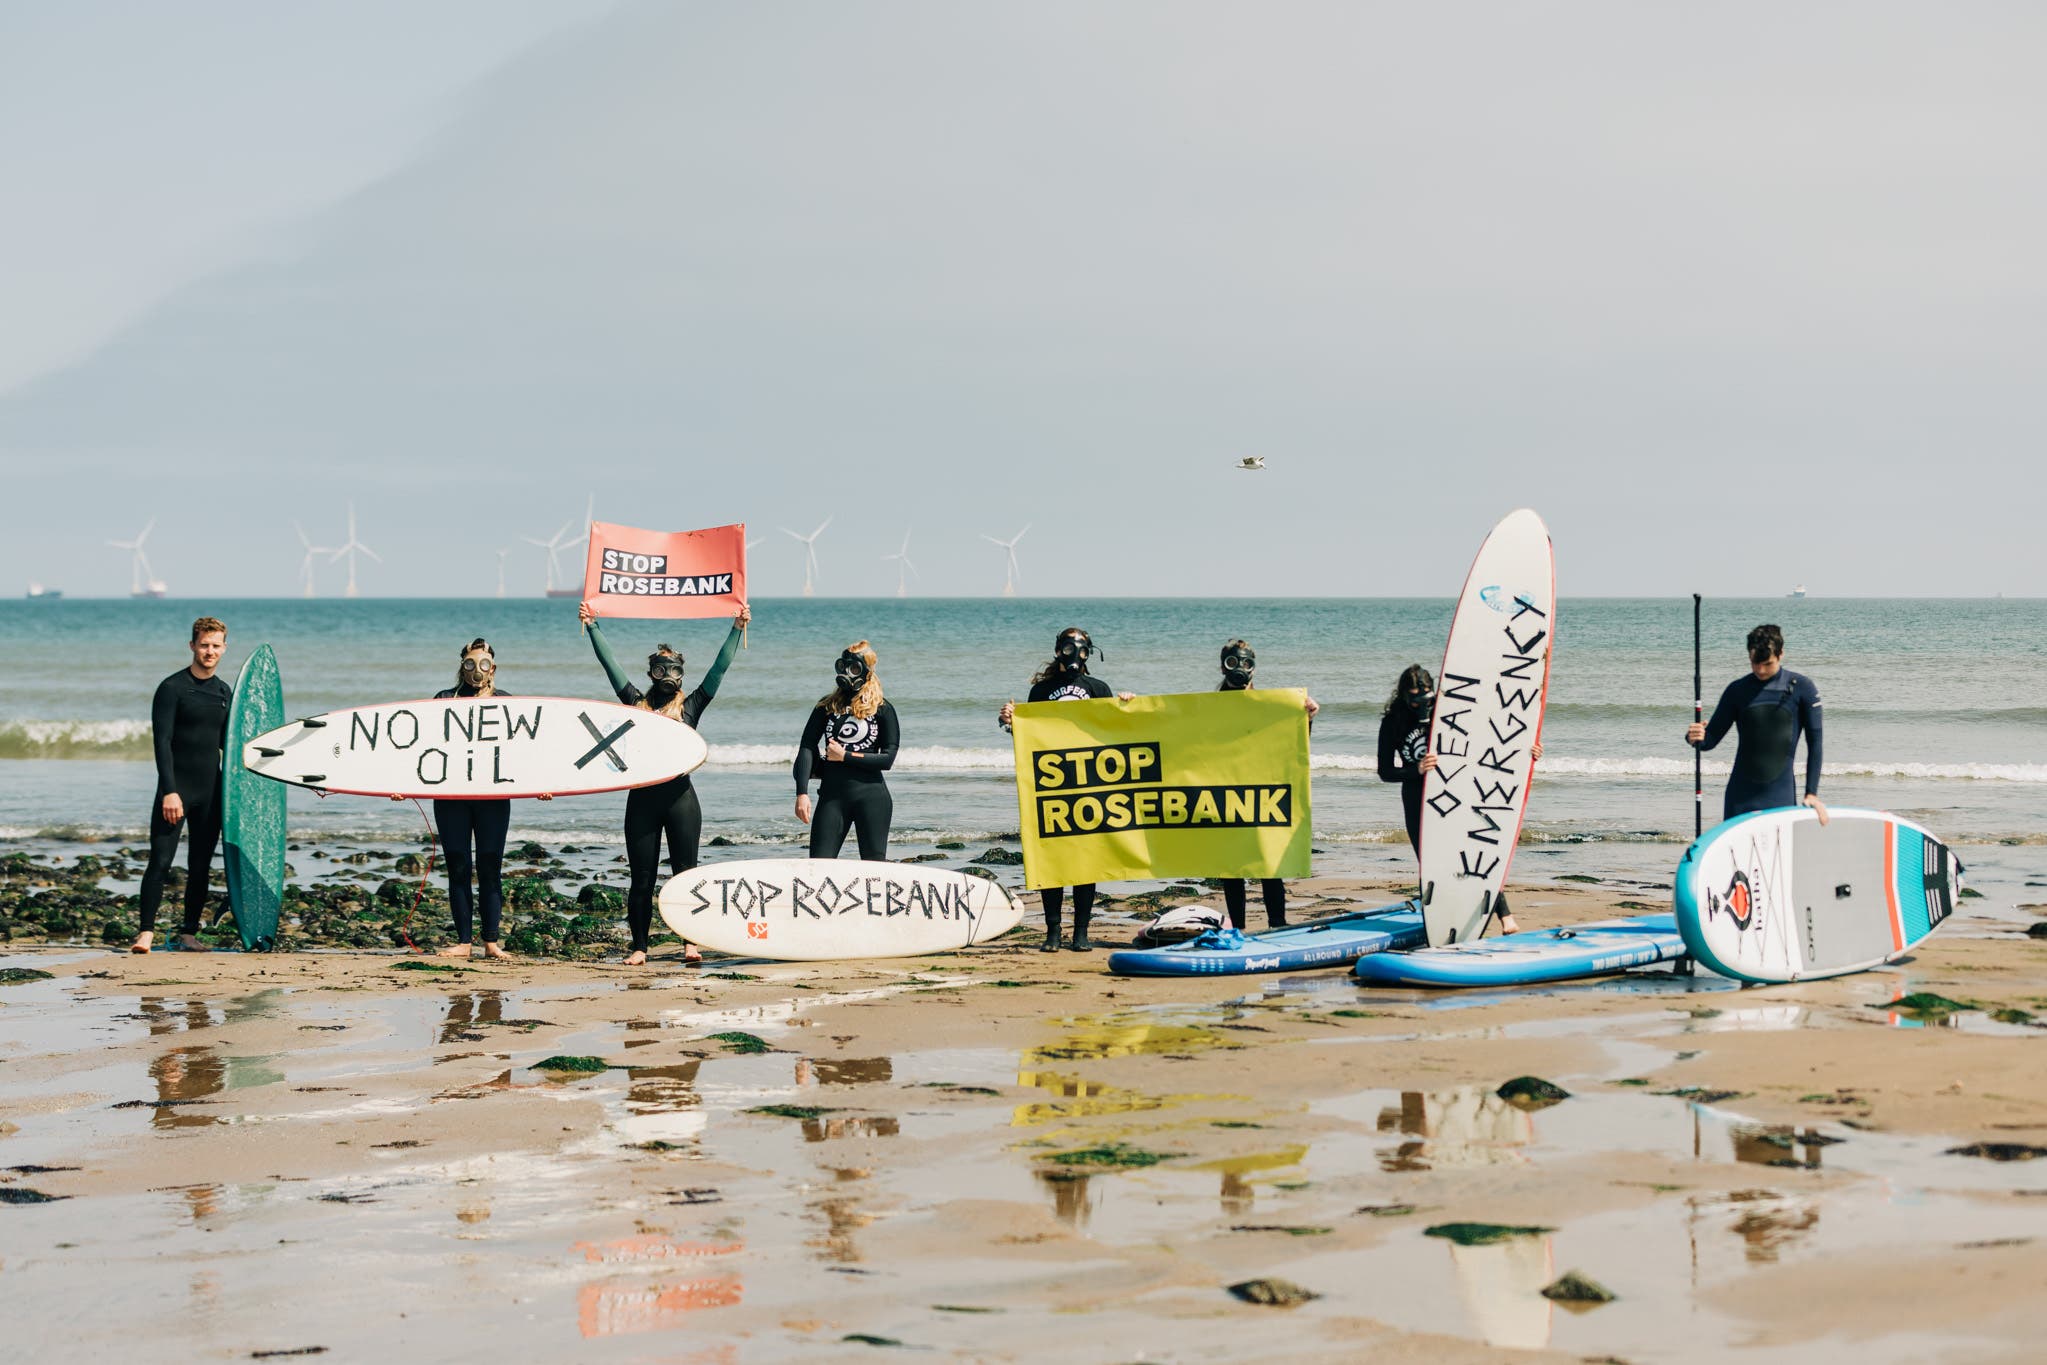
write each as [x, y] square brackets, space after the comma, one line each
[1404, 736]
[481, 825]
[667, 808]
[1239, 664]
[1065, 678]
[849, 741]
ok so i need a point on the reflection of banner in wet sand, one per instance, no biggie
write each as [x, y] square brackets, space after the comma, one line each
[636, 573]
[1207, 784]
[605, 1310]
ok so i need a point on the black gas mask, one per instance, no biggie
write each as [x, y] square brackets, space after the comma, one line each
[479, 665]
[1072, 650]
[1421, 704]
[1239, 663]
[852, 673]
[665, 671]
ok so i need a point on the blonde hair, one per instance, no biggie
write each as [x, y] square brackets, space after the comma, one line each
[672, 708]
[867, 700]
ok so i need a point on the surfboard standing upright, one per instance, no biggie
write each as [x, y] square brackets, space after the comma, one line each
[478, 748]
[1489, 702]
[252, 816]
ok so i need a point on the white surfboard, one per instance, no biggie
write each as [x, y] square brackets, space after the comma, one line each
[829, 909]
[1489, 702]
[1775, 896]
[478, 748]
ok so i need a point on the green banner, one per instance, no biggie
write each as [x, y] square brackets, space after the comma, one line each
[1202, 784]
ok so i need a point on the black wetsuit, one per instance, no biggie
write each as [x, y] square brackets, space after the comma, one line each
[668, 808]
[852, 792]
[188, 726]
[1271, 889]
[1768, 717]
[1405, 735]
[1068, 687]
[485, 824]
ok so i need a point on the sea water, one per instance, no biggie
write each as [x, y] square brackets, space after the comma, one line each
[1935, 709]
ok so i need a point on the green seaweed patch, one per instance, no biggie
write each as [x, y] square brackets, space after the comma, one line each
[954, 1088]
[1273, 1292]
[1634, 1080]
[1290, 1229]
[1926, 1003]
[741, 1042]
[869, 1339]
[2000, 1151]
[15, 976]
[1532, 1092]
[1113, 1156]
[1635, 905]
[1233, 1123]
[1008, 985]
[1359, 1014]
[1699, 1094]
[1385, 1210]
[1575, 1288]
[579, 1064]
[660, 1145]
[1970, 893]
[448, 967]
[1578, 877]
[963, 1308]
[792, 1111]
[729, 976]
[1483, 1234]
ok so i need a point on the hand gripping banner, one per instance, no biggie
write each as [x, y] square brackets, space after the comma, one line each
[636, 573]
[1204, 784]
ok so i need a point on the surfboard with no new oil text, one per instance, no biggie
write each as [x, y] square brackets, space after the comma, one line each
[478, 748]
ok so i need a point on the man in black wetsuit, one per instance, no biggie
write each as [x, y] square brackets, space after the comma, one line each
[1768, 709]
[188, 725]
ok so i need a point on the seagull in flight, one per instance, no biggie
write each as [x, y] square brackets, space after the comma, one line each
[1251, 462]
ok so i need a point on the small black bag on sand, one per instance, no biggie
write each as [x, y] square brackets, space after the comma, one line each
[1180, 923]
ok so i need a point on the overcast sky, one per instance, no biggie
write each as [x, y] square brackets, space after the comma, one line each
[1737, 296]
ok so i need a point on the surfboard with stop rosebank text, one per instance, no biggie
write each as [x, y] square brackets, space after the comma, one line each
[832, 909]
[478, 748]
[1488, 717]
[1775, 896]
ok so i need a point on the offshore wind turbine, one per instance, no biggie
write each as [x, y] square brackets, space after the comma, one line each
[554, 545]
[1011, 572]
[809, 555]
[306, 564]
[142, 580]
[903, 566]
[353, 548]
[574, 587]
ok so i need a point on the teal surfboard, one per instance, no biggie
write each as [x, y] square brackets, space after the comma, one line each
[252, 827]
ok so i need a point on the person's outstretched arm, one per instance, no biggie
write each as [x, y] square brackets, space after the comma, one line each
[715, 674]
[619, 682]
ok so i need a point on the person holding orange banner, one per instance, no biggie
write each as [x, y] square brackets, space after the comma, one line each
[668, 808]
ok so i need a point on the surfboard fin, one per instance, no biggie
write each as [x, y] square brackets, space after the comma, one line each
[314, 723]
[270, 753]
[312, 779]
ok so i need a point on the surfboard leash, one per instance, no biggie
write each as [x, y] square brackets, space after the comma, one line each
[433, 848]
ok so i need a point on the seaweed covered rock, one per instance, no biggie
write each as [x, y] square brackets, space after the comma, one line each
[597, 897]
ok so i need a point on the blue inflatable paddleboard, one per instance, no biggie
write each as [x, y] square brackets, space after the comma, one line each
[1331, 942]
[1531, 957]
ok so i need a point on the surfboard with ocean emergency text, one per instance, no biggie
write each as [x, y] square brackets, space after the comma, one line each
[478, 748]
[829, 909]
[1487, 720]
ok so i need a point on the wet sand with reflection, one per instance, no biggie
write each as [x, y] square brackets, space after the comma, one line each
[247, 1153]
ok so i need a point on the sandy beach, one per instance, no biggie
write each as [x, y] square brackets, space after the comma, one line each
[1007, 1155]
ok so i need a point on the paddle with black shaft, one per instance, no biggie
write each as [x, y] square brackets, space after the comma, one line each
[1698, 718]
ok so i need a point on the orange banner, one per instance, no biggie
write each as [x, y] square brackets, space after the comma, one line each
[636, 573]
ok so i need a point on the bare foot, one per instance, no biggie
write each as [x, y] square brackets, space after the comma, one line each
[1507, 925]
[496, 950]
[191, 944]
[636, 958]
[454, 950]
[691, 957]
[142, 942]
